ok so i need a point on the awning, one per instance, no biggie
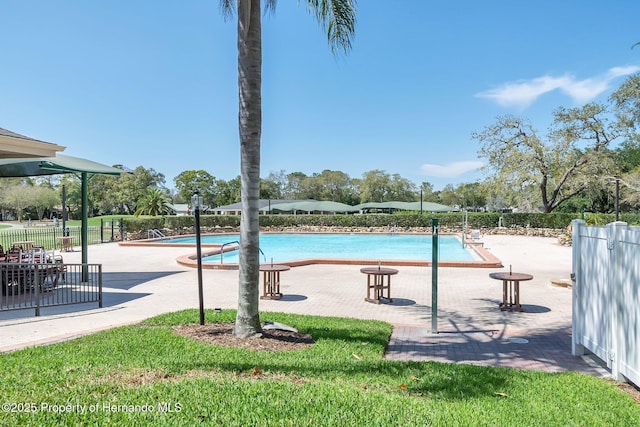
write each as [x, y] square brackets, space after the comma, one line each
[53, 165]
[14, 145]
[58, 165]
[314, 206]
[406, 206]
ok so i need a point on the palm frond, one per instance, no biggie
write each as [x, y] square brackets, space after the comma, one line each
[270, 6]
[227, 8]
[338, 18]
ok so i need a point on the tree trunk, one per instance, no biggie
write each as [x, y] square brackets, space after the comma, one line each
[250, 125]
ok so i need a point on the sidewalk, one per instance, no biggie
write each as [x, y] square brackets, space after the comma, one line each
[140, 282]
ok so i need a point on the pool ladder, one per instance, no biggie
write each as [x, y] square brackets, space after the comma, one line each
[155, 233]
[237, 243]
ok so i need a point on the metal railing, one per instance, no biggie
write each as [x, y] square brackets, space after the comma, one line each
[48, 284]
[155, 233]
[232, 249]
[48, 237]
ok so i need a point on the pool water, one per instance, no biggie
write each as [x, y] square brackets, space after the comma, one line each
[289, 247]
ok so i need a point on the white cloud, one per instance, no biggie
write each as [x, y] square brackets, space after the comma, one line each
[451, 170]
[523, 93]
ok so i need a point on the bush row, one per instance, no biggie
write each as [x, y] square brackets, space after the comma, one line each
[474, 220]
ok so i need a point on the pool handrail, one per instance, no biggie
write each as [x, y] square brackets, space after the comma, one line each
[237, 243]
[222, 249]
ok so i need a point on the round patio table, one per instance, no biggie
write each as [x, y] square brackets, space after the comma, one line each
[271, 280]
[511, 288]
[378, 284]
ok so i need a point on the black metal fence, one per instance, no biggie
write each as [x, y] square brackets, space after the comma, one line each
[49, 237]
[49, 284]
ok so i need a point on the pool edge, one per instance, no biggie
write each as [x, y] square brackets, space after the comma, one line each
[488, 260]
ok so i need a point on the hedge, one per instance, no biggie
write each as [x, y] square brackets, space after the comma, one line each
[453, 219]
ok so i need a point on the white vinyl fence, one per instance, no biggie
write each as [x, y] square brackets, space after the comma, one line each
[606, 296]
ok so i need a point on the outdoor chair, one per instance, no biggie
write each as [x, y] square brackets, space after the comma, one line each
[473, 238]
[53, 258]
[14, 254]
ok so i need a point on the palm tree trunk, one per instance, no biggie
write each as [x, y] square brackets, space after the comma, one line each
[250, 127]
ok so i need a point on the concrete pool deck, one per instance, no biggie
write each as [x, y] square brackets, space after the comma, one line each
[140, 282]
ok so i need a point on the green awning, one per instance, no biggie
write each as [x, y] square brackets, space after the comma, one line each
[53, 165]
[406, 206]
[58, 165]
[314, 206]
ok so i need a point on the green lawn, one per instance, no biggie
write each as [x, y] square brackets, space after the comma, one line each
[341, 380]
[95, 221]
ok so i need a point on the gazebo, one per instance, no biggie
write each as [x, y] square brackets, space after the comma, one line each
[58, 164]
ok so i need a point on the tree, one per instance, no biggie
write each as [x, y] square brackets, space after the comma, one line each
[473, 195]
[279, 180]
[402, 189]
[295, 187]
[74, 193]
[626, 100]
[378, 186]
[131, 187]
[630, 188]
[188, 181]
[571, 159]
[228, 191]
[375, 186]
[154, 203]
[103, 194]
[338, 18]
[449, 196]
[331, 185]
[428, 195]
[43, 199]
[14, 198]
[269, 189]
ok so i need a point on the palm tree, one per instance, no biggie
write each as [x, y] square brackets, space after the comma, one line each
[338, 18]
[153, 203]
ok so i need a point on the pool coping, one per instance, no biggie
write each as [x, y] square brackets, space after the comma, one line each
[488, 260]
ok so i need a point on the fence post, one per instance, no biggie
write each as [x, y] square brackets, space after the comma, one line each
[36, 289]
[577, 313]
[614, 235]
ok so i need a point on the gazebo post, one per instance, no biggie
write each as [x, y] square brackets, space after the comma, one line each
[84, 230]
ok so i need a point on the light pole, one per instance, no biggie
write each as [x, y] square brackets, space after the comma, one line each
[196, 205]
[616, 179]
[617, 197]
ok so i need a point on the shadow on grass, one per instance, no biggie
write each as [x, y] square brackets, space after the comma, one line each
[346, 350]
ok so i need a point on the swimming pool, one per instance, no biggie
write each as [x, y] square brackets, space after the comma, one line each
[338, 248]
[288, 247]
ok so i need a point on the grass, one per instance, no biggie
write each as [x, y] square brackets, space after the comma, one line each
[341, 380]
[95, 221]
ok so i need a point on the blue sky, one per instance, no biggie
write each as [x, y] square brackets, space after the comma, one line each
[153, 83]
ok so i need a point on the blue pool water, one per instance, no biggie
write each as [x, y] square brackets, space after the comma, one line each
[289, 247]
